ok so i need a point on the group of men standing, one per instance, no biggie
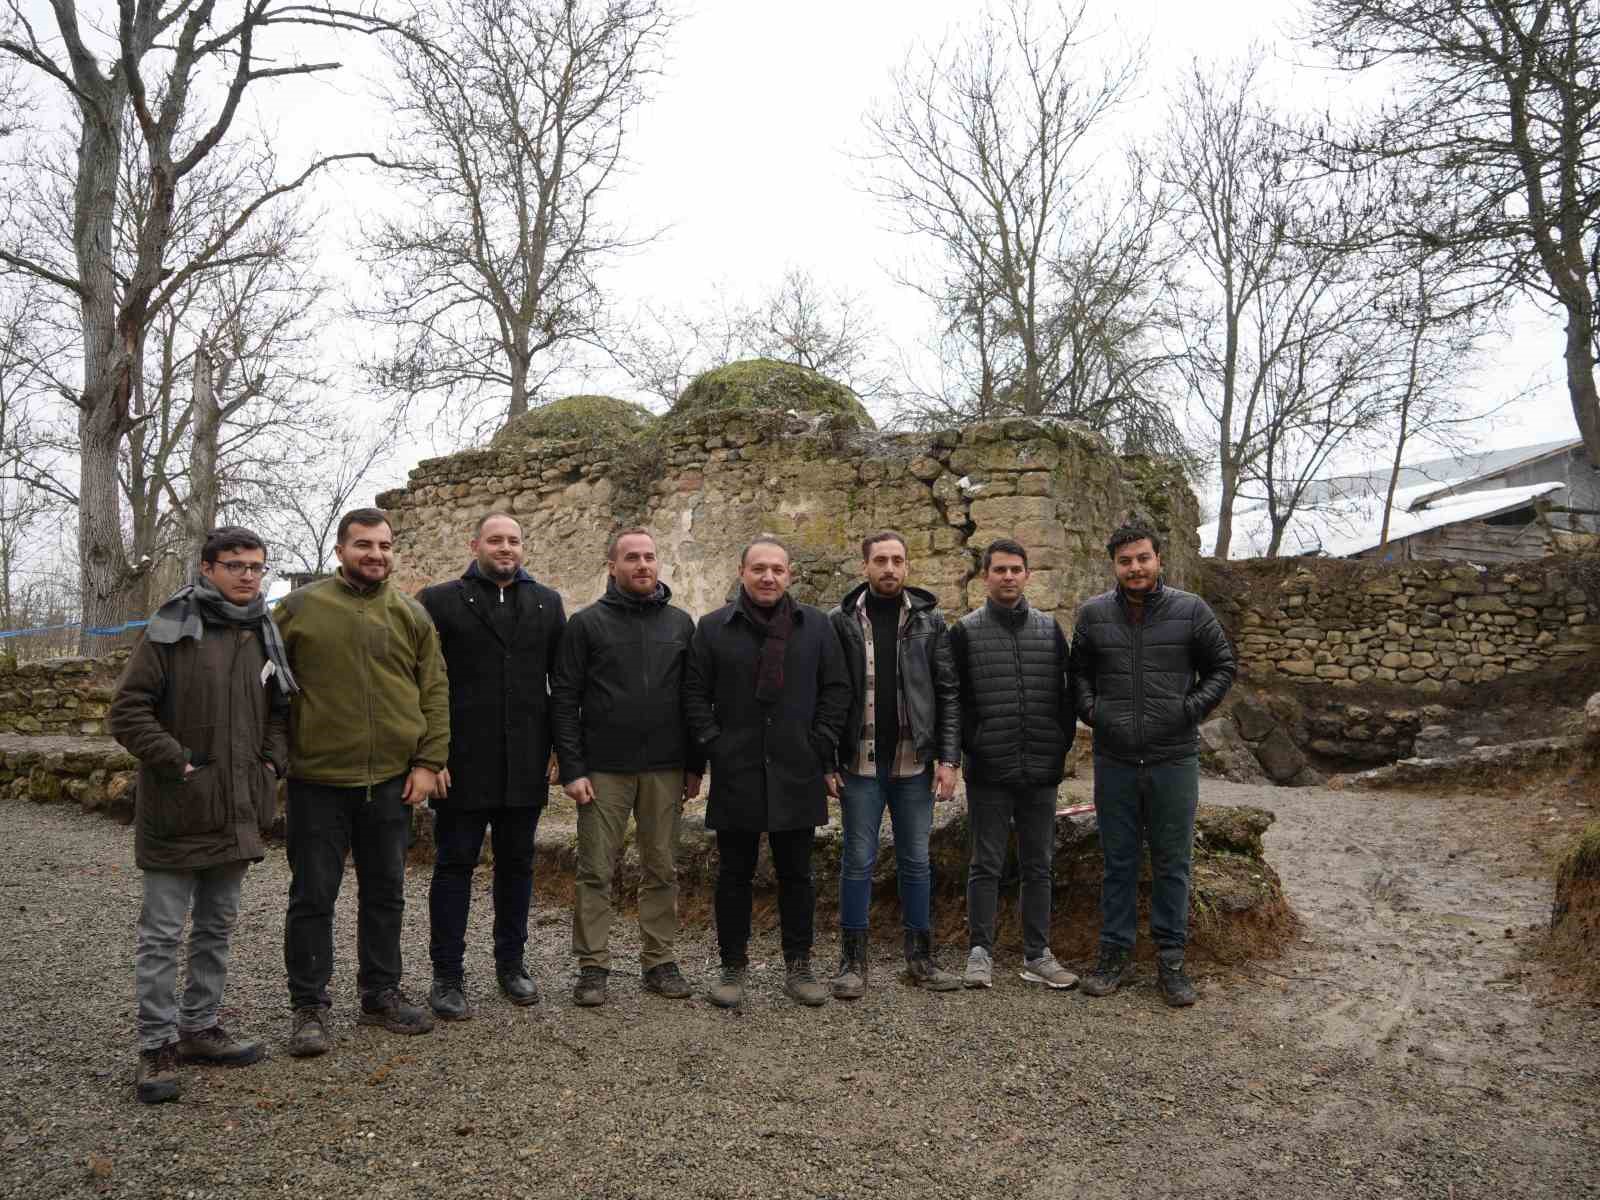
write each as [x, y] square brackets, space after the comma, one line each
[478, 692]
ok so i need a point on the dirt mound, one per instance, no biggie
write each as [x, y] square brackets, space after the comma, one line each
[1575, 915]
[763, 385]
[574, 418]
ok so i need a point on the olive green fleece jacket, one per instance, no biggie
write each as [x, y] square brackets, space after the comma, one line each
[374, 700]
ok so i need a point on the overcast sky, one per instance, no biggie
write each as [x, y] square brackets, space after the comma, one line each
[744, 155]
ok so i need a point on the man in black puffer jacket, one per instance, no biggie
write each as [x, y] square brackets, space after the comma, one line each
[1016, 729]
[1149, 662]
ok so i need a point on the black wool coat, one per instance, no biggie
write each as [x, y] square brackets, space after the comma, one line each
[767, 761]
[1145, 688]
[500, 733]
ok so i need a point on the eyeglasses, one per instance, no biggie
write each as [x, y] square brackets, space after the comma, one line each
[237, 567]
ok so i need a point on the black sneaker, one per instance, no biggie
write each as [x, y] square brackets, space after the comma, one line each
[309, 1036]
[1114, 966]
[1176, 988]
[390, 1010]
[590, 990]
[664, 979]
[517, 984]
[157, 1078]
[448, 999]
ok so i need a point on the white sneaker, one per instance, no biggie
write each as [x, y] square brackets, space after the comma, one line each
[1046, 970]
[980, 969]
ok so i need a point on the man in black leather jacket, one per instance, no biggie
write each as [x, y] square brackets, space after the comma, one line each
[1149, 662]
[901, 744]
[1016, 728]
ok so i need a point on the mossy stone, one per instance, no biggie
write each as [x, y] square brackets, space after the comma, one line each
[574, 418]
[765, 385]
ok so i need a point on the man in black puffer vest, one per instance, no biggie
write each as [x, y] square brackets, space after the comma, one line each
[1016, 729]
[1149, 662]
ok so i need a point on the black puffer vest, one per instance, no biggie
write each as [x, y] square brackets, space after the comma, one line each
[1016, 713]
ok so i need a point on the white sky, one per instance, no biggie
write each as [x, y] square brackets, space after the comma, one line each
[744, 155]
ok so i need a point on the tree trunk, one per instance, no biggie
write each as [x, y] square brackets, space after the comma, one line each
[205, 423]
[1580, 376]
[1230, 488]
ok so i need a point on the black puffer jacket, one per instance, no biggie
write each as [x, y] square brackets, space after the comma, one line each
[1016, 701]
[926, 675]
[617, 692]
[1145, 688]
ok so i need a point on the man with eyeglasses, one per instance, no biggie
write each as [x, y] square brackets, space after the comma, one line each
[203, 704]
[368, 735]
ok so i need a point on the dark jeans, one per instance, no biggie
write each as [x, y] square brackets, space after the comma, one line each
[909, 800]
[458, 839]
[737, 852]
[323, 823]
[990, 812]
[1146, 804]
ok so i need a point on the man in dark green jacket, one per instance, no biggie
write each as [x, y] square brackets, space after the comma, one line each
[368, 734]
[203, 705]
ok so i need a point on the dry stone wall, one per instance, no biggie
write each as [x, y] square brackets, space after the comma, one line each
[707, 484]
[59, 696]
[1437, 629]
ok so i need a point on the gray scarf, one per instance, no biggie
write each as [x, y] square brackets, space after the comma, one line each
[186, 613]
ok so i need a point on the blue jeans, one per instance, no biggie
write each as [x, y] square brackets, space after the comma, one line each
[909, 800]
[1134, 805]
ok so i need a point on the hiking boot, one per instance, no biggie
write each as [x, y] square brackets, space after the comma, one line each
[729, 990]
[216, 1045]
[590, 990]
[980, 969]
[664, 979]
[390, 1010]
[1114, 966]
[156, 1078]
[920, 967]
[800, 984]
[517, 984]
[850, 981]
[1046, 970]
[448, 999]
[1176, 988]
[309, 1037]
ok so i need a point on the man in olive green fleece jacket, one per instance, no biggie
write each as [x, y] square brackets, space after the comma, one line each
[368, 732]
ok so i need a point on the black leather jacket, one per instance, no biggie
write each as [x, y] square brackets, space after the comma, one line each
[1145, 688]
[1016, 702]
[926, 675]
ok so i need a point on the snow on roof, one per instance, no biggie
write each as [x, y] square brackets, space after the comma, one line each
[1349, 526]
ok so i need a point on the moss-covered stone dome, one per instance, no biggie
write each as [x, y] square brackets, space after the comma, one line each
[766, 385]
[572, 418]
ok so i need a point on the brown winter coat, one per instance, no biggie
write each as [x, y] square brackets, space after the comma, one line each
[202, 703]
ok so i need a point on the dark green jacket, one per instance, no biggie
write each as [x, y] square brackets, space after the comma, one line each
[373, 700]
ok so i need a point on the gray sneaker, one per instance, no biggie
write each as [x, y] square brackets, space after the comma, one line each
[729, 990]
[1046, 970]
[980, 969]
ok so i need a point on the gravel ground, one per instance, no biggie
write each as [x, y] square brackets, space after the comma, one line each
[1396, 1051]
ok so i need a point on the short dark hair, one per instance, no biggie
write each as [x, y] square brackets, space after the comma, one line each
[230, 537]
[1132, 531]
[477, 530]
[1004, 546]
[616, 540]
[361, 516]
[763, 539]
[883, 535]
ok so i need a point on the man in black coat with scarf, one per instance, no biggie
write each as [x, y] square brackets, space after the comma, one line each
[766, 694]
[499, 631]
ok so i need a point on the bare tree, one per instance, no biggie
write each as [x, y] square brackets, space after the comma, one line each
[514, 115]
[161, 61]
[302, 520]
[1497, 108]
[985, 153]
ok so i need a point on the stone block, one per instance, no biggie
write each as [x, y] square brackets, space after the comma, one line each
[1279, 757]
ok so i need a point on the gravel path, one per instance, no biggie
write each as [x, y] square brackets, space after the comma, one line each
[1393, 1053]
